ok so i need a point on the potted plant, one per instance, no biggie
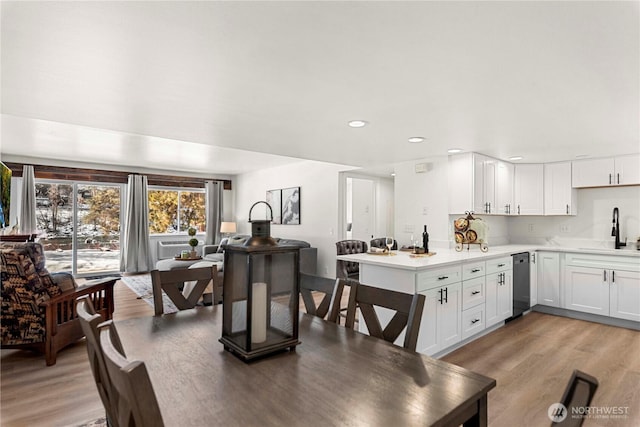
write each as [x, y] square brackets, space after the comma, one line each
[193, 242]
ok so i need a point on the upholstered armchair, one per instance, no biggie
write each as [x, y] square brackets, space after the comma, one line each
[380, 243]
[38, 309]
[347, 269]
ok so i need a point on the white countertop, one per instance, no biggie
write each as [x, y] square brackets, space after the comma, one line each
[443, 257]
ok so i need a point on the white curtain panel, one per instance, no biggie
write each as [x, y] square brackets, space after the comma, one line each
[213, 208]
[27, 218]
[135, 255]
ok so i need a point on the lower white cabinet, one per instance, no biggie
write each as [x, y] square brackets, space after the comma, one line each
[440, 325]
[624, 299]
[473, 321]
[607, 292]
[587, 290]
[499, 297]
[548, 278]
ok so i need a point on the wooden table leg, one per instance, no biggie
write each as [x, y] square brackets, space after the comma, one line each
[480, 418]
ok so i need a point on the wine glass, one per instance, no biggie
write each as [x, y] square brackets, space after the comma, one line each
[388, 241]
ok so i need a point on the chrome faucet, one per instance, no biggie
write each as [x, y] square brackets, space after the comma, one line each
[615, 230]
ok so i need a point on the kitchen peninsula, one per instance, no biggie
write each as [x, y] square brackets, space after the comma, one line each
[470, 293]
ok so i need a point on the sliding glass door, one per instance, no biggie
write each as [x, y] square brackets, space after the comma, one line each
[79, 226]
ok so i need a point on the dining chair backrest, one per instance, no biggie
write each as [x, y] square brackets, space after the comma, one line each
[172, 280]
[348, 269]
[137, 404]
[89, 321]
[408, 312]
[578, 394]
[329, 306]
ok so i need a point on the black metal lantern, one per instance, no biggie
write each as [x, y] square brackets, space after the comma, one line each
[260, 303]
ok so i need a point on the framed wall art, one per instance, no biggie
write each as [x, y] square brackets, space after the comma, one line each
[274, 198]
[291, 206]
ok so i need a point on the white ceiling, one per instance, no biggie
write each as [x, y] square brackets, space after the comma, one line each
[175, 85]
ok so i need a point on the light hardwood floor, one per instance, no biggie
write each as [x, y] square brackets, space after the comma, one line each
[531, 359]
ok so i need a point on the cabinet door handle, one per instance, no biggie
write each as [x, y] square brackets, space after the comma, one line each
[533, 258]
[567, 209]
[440, 300]
[609, 179]
[501, 265]
[446, 295]
[489, 207]
[475, 321]
[605, 275]
[475, 270]
[443, 277]
[518, 209]
[475, 292]
[613, 276]
[618, 178]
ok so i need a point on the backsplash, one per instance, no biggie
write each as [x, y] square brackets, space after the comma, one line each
[591, 228]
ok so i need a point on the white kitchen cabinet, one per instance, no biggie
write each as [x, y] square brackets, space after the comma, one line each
[621, 170]
[587, 290]
[529, 189]
[604, 285]
[478, 183]
[548, 278]
[504, 188]
[559, 196]
[473, 321]
[624, 299]
[499, 295]
[440, 326]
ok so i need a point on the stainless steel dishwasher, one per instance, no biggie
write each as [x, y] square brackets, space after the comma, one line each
[521, 284]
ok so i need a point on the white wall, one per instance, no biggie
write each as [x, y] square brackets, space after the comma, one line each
[591, 227]
[422, 199]
[385, 207]
[319, 197]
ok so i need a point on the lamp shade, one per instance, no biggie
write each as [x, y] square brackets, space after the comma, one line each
[227, 227]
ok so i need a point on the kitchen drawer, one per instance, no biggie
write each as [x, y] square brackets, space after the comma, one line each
[499, 264]
[474, 269]
[473, 292]
[472, 321]
[441, 276]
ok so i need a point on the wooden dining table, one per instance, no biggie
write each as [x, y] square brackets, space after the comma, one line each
[335, 377]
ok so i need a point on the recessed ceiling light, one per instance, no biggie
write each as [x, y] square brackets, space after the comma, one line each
[357, 123]
[515, 158]
[454, 150]
[416, 139]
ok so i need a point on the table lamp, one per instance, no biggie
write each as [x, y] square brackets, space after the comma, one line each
[227, 228]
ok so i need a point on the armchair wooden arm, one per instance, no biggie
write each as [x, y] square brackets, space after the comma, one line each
[61, 319]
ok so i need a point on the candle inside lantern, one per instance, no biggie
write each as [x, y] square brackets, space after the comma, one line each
[259, 313]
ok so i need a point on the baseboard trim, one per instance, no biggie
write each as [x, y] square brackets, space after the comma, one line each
[611, 321]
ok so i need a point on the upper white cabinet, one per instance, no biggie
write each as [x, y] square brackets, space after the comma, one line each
[559, 196]
[480, 184]
[529, 189]
[621, 170]
[504, 188]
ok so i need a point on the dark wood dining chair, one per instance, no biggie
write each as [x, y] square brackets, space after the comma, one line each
[89, 321]
[137, 404]
[578, 394]
[329, 306]
[408, 312]
[172, 280]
